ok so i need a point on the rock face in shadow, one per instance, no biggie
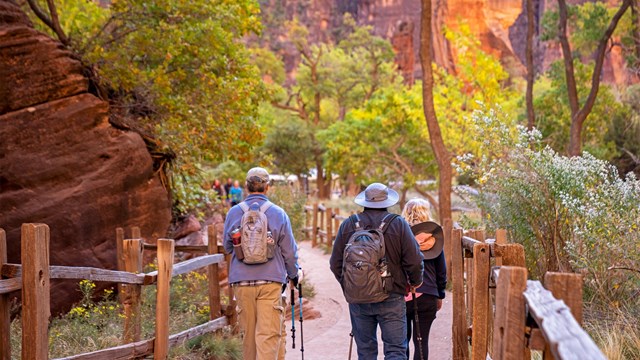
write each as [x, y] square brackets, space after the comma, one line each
[62, 163]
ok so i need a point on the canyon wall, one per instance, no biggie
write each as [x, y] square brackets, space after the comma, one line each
[62, 163]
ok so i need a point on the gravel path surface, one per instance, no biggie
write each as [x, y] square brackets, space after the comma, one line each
[327, 337]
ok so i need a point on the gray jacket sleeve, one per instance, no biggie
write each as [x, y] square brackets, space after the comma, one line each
[288, 247]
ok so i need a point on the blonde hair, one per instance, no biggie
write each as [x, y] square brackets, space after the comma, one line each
[417, 211]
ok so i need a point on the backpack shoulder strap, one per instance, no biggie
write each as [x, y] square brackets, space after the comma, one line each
[355, 219]
[267, 204]
[386, 221]
[243, 205]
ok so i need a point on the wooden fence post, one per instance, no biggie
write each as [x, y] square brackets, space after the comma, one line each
[480, 305]
[35, 291]
[231, 314]
[329, 228]
[459, 326]
[165, 270]
[447, 227]
[336, 226]
[5, 305]
[321, 222]
[512, 255]
[135, 233]
[468, 271]
[314, 230]
[509, 324]
[120, 260]
[501, 239]
[307, 223]
[568, 288]
[132, 263]
[214, 284]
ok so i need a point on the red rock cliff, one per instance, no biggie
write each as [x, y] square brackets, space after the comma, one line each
[500, 25]
[61, 162]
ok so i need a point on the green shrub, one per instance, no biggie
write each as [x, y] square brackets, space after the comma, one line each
[292, 201]
[571, 213]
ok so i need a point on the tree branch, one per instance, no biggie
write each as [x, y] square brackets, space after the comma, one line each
[623, 268]
[55, 21]
[530, 69]
[572, 88]
[431, 199]
[600, 53]
[39, 13]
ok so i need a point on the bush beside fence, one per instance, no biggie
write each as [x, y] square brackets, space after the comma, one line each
[505, 316]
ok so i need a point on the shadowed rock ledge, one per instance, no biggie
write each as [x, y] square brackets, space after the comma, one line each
[62, 163]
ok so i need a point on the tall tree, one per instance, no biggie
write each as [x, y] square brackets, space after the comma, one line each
[636, 32]
[531, 116]
[579, 114]
[442, 155]
[332, 79]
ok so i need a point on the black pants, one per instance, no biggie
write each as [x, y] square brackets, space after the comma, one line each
[427, 308]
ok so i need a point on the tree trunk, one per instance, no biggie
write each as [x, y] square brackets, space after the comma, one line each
[320, 183]
[636, 31]
[441, 46]
[443, 157]
[531, 117]
[430, 199]
[572, 89]
[579, 114]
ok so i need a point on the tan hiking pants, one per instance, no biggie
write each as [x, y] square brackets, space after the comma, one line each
[261, 318]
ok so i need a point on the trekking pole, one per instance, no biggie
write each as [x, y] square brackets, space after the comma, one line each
[301, 333]
[293, 317]
[350, 344]
[415, 317]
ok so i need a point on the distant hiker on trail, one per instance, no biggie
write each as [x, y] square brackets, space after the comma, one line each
[430, 238]
[374, 255]
[227, 191]
[219, 189]
[258, 234]
[235, 193]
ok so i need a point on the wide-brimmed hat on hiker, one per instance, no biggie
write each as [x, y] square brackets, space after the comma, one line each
[377, 196]
[430, 237]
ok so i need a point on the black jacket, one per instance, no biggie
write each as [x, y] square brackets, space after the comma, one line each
[403, 255]
[435, 277]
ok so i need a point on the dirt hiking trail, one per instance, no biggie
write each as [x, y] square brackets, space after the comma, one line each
[327, 337]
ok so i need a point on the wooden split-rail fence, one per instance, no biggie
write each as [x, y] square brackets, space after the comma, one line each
[321, 224]
[34, 275]
[499, 314]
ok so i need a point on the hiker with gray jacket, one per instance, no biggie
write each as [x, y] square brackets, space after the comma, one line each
[395, 267]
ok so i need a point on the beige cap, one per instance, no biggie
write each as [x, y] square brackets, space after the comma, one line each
[257, 174]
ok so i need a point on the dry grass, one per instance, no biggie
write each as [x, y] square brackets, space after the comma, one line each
[619, 339]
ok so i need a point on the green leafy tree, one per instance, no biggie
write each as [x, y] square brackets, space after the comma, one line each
[554, 114]
[480, 83]
[590, 28]
[178, 73]
[385, 140]
[332, 79]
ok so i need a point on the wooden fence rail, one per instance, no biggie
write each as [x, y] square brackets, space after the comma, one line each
[33, 277]
[321, 224]
[504, 315]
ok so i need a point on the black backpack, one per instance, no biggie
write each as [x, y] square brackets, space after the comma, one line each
[365, 278]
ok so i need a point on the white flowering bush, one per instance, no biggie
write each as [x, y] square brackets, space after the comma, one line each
[571, 213]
